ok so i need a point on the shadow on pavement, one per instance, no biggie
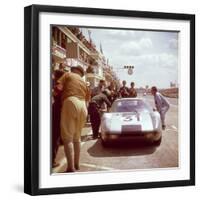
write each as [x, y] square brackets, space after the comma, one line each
[120, 149]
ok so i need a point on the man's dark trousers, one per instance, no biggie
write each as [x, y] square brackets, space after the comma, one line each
[95, 119]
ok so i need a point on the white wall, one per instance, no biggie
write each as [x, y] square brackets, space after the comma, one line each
[11, 100]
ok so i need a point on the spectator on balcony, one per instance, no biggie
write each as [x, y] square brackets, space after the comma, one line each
[162, 105]
[132, 90]
[74, 96]
[123, 91]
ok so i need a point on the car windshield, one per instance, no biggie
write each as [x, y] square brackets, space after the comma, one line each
[130, 106]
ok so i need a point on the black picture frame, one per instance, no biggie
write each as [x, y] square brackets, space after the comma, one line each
[31, 98]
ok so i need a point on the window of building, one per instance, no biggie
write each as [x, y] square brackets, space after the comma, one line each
[63, 40]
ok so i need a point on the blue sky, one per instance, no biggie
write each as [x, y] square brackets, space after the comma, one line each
[154, 54]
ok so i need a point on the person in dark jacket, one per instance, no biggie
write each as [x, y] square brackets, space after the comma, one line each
[97, 90]
[95, 110]
[123, 91]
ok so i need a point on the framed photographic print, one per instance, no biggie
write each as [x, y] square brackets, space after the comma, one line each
[109, 99]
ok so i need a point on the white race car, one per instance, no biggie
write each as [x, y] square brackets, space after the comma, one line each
[131, 118]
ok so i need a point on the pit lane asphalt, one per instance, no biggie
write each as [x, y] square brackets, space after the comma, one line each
[94, 157]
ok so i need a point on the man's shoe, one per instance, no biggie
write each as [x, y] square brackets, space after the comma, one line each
[95, 137]
[77, 167]
[55, 164]
[69, 170]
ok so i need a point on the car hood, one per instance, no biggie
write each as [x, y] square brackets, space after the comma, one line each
[125, 122]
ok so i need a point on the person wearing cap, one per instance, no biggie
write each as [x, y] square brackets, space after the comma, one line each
[162, 105]
[95, 110]
[74, 95]
[97, 90]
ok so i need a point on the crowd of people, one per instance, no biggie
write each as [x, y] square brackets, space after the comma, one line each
[73, 101]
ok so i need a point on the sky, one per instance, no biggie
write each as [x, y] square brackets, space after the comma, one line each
[154, 54]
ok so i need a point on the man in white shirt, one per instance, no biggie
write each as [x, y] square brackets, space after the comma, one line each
[162, 105]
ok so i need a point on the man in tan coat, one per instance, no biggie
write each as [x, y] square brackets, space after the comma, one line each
[74, 96]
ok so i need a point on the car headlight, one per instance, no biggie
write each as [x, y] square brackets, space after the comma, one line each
[156, 120]
[149, 135]
[106, 123]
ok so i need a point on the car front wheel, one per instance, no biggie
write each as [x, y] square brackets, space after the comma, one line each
[104, 143]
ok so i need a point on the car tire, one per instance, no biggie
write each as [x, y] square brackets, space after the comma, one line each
[157, 142]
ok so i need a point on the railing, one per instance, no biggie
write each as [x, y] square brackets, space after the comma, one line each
[76, 31]
[72, 62]
[59, 51]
